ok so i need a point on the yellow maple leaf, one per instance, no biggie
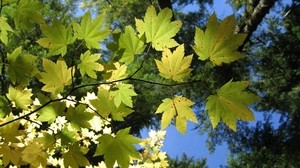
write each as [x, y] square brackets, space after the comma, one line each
[174, 65]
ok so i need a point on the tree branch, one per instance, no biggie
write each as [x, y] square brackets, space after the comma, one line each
[260, 10]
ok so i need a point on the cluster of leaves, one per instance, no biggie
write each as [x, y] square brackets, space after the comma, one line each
[53, 124]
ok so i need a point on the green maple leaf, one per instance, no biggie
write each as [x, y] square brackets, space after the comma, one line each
[219, 42]
[105, 106]
[123, 94]
[46, 141]
[79, 117]
[28, 12]
[4, 28]
[118, 73]
[230, 104]
[158, 29]
[4, 107]
[11, 131]
[174, 65]
[75, 157]
[119, 148]
[21, 98]
[128, 44]
[180, 108]
[57, 38]
[56, 76]
[21, 67]
[89, 30]
[10, 154]
[67, 136]
[51, 111]
[35, 155]
[88, 64]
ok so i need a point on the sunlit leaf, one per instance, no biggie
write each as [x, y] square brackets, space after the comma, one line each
[118, 73]
[56, 76]
[4, 28]
[218, 43]
[75, 157]
[123, 94]
[79, 117]
[51, 111]
[11, 131]
[180, 108]
[89, 30]
[174, 65]
[58, 37]
[89, 64]
[21, 67]
[158, 28]
[10, 154]
[27, 13]
[230, 104]
[21, 97]
[35, 155]
[119, 148]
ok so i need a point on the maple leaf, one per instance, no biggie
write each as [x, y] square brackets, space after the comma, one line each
[51, 111]
[75, 157]
[118, 73]
[231, 104]
[35, 155]
[174, 65]
[67, 136]
[158, 29]
[28, 12]
[89, 30]
[127, 44]
[4, 107]
[57, 38]
[4, 28]
[180, 108]
[105, 106]
[123, 94]
[56, 76]
[119, 148]
[89, 65]
[21, 98]
[78, 117]
[219, 42]
[21, 67]
[10, 154]
[11, 131]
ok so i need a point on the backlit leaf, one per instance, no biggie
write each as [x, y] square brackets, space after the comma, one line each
[11, 131]
[89, 30]
[218, 43]
[56, 76]
[158, 28]
[20, 97]
[180, 108]
[118, 73]
[10, 154]
[75, 157]
[174, 65]
[27, 13]
[123, 94]
[131, 44]
[35, 155]
[79, 117]
[21, 67]
[230, 104]
[89, 64]
[4, 28]
[119, 148]
[57, 38]
[105, 106]
[51, 111]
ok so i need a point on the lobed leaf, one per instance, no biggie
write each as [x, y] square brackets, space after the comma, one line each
[230, 104]
[158, 28]
[218, 43]
[174, 65]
